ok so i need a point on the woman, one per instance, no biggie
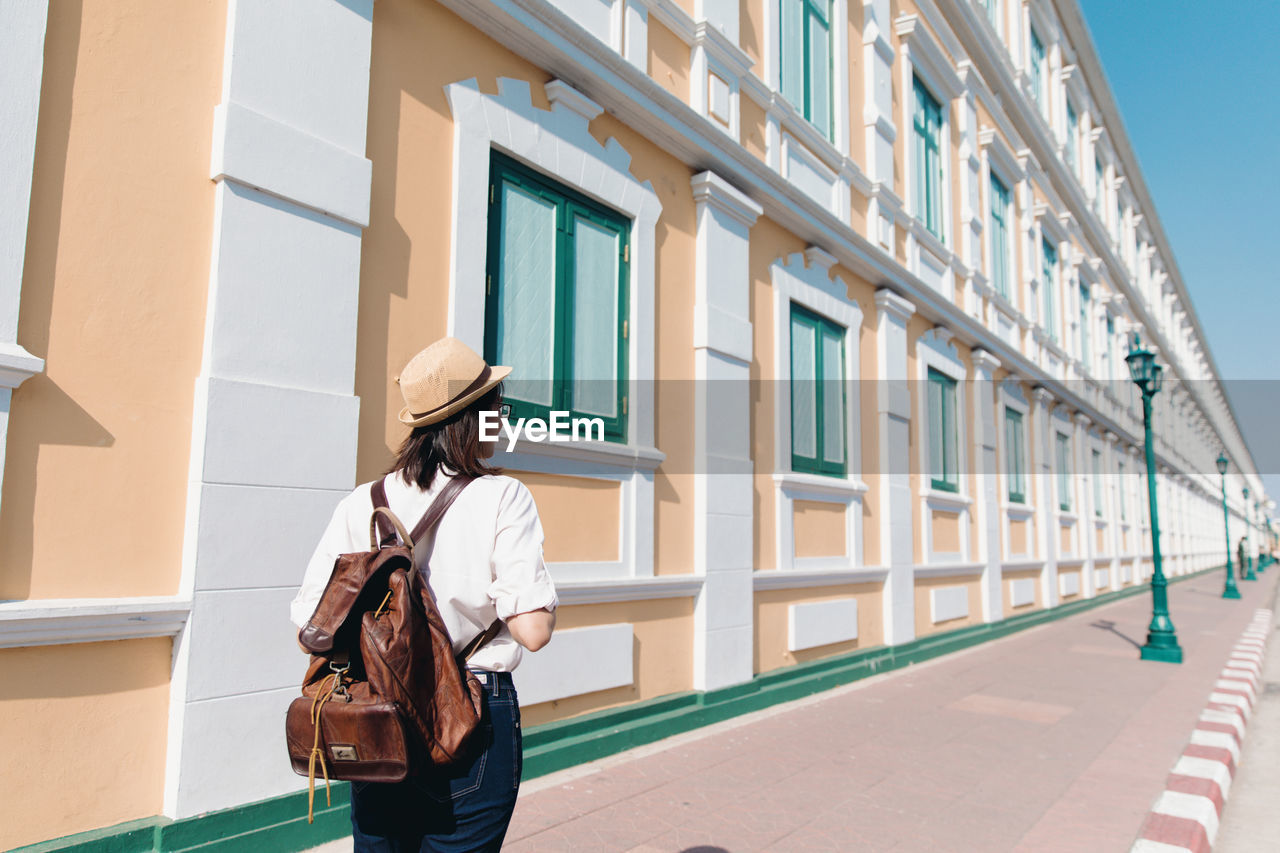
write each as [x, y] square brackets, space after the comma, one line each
[484, 563]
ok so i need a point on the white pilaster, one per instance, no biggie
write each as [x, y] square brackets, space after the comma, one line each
[723, 512]
[1047, 523]
[893, 418]
[986, 427]
[1086, 527]
[275, 420]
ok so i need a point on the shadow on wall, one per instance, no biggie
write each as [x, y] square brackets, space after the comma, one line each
[62, 422]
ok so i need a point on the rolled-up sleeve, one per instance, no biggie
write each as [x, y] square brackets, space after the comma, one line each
[521, 582]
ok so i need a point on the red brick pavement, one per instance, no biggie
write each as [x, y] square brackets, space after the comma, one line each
[1054, 739]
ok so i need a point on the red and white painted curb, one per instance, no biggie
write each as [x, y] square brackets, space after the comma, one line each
[1185, 817]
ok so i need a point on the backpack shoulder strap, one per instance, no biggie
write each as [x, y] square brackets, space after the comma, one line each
[480, 640]
[386, 532]
[439, 507]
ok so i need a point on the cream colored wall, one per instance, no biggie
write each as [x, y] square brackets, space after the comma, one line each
[819, 528]
[771, 623]
[113, 298]
[83, 733]
[579, 516]
[663, 654]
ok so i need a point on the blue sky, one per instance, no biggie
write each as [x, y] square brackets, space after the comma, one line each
[1194, 82]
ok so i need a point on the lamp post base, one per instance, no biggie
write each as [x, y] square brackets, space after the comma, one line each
[1162, 652]
[1231, 592]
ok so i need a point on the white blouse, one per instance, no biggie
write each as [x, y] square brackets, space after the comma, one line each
[485, 563]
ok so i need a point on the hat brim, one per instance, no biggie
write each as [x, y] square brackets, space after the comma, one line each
[496, 374]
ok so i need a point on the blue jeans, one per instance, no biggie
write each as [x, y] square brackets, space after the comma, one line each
[467, 810]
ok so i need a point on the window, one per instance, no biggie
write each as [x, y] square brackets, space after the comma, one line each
[806, 59]
[1062, 449]
[1015, 450]
[1084, 327]
[1111, 347]
[1097, 483]
[817, 394]
[993, 13]
[1049, 272]
[557, 297]
[1123, 501]
[1073, 139]
[943, 441]
[1099, 187]
[928, 131]
[1039, 74]
[999, 237]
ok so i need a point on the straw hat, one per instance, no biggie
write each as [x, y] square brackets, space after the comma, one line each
[442, 380]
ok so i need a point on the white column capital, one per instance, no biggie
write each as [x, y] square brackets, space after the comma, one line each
[711, 189]
[894, 305]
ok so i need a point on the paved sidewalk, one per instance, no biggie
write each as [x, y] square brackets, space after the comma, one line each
[1054, 739]
[1251, 821]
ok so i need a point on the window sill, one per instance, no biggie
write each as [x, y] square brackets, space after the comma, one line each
[951, 500]
[928, 239]
[816, 484]
[629, 589]
[629, 457]
[1019, 510]
[54, 621]
[796, 579]
[948, 569]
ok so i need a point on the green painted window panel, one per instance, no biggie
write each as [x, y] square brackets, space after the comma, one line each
[1016, 450]
[1073, 139]
[1111, 347]
[999, 236]
[818, 394]
[927, 124]
[1049, 275]
[1097, 483]
[1062, 448]
[805, 78]
[1084, 326]
[556, 308]
[1124, 503]
[943, 438]
[1039, 75]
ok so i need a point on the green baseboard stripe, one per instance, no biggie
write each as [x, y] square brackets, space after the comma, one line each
[280, 823]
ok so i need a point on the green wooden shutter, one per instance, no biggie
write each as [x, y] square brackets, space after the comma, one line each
[1084, 327]
[1064, 472]
[929, 167]
[1097, 483]
[941, 402]
[1048, 274]
[556, 307]
[818, 400]
[999, 237]
[1014, 450]
[792, 49]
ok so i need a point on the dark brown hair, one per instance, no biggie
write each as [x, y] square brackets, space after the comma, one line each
[454, 442]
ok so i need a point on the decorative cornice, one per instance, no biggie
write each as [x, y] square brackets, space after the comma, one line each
[45, 622]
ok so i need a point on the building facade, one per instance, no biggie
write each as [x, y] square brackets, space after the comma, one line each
[850, 285]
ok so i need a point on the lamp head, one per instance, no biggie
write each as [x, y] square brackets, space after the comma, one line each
[1222, 464]
[1245, 491]
[1143, 370]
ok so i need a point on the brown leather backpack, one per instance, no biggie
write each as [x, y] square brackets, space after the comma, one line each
[384, 697]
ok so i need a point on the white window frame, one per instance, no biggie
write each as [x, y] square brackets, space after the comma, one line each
[934, 349]
[557, 143]
[805, 279]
